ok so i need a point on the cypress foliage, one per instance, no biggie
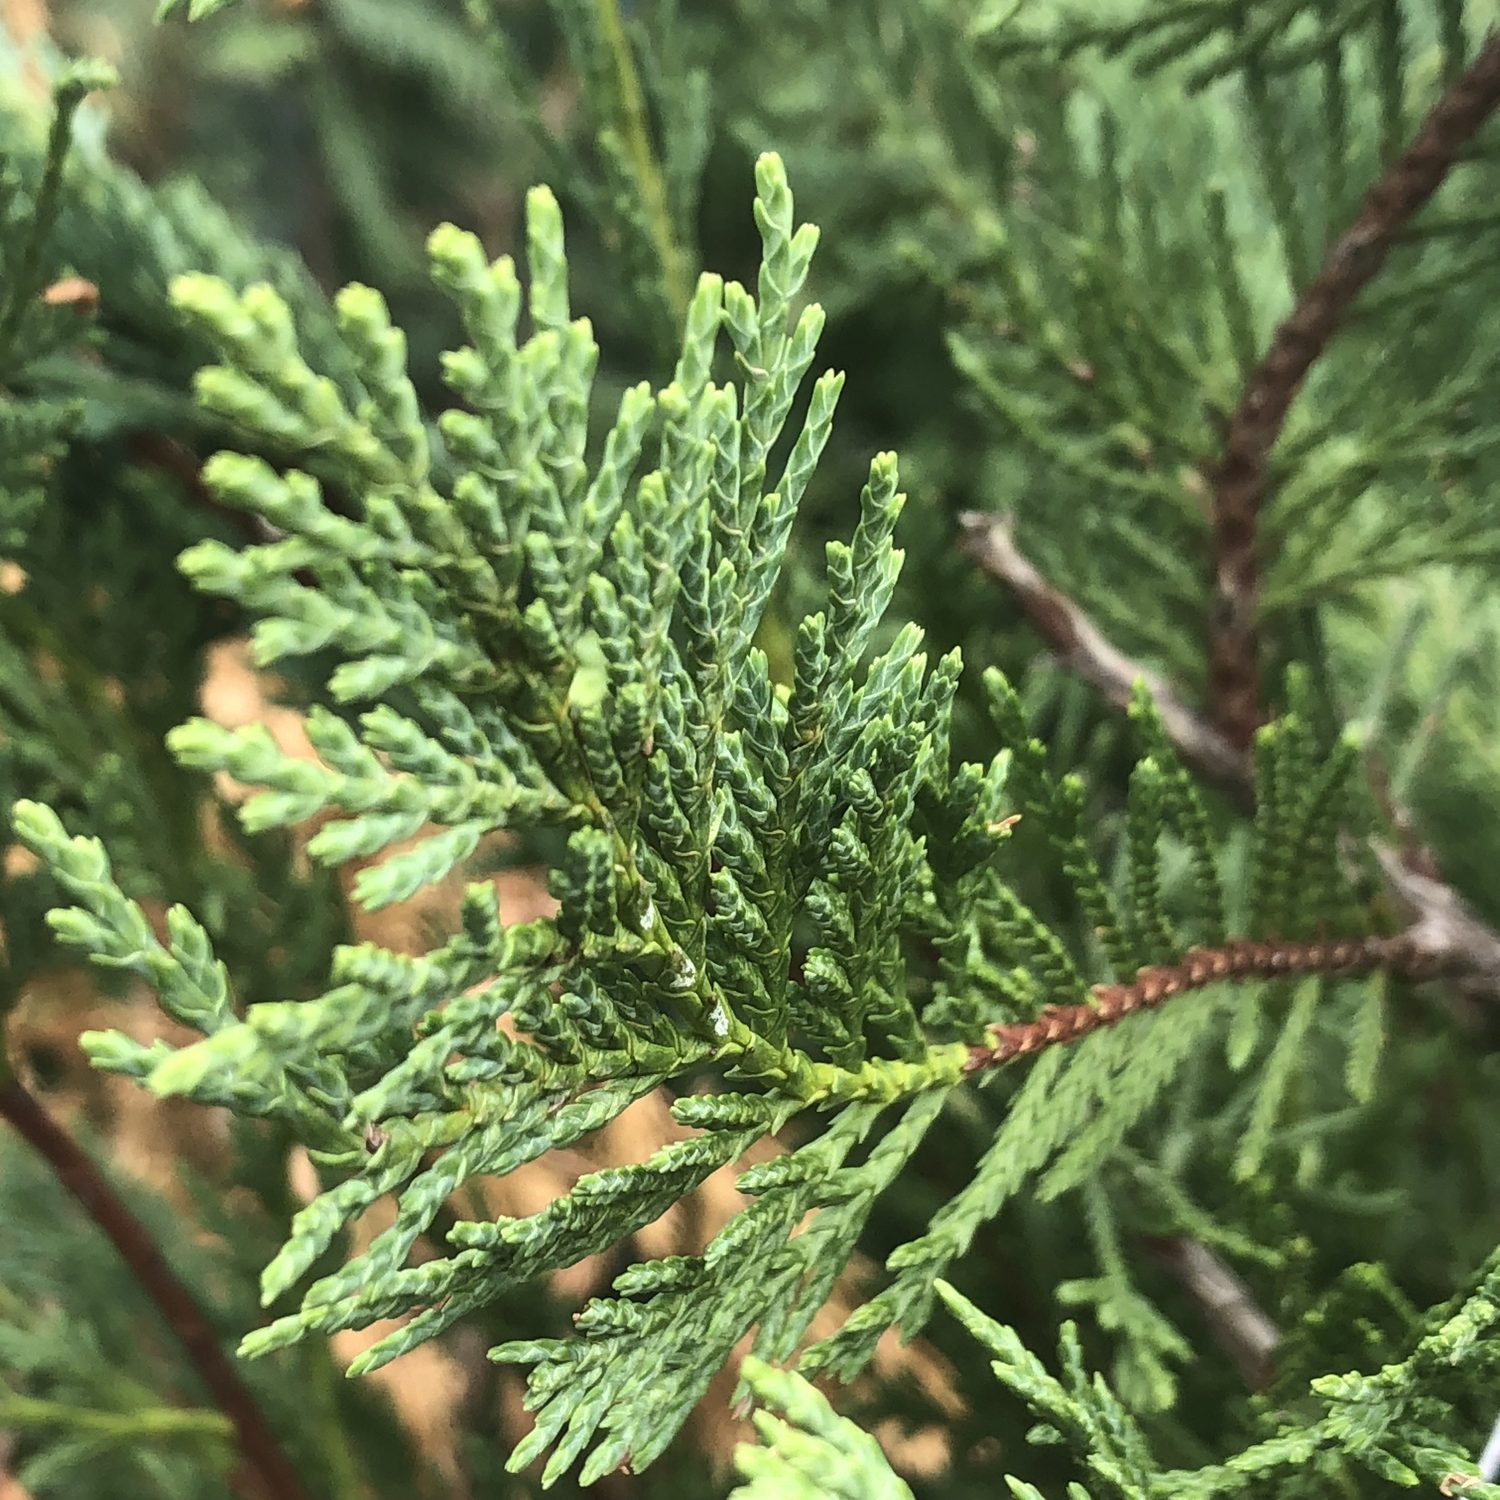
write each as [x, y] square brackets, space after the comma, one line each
[1129, 963]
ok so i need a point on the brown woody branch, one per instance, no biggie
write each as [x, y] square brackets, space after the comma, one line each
[259, 1447]
[1444, 931]
[1240, 1325]
[1240, 959]
[1443, 928]
[1079, 642]
[1241, 478]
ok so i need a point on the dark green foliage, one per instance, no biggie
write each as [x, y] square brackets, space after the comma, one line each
[95, 1402]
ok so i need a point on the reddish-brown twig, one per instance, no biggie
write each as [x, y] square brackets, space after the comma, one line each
[259, 1447]
[1242, 958]
[1444, 931]
[1241, 477]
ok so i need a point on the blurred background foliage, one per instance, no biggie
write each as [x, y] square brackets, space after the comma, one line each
[1055, 238]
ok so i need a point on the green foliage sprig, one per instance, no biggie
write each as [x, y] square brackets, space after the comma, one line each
[34, 429]
[1393, 1426]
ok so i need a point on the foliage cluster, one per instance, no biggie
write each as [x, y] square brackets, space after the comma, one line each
[823, 885]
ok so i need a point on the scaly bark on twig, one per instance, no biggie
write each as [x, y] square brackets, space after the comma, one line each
[1241, 958]
[1444, 931]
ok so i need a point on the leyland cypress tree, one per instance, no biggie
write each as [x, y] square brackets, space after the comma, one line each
[1087, 925]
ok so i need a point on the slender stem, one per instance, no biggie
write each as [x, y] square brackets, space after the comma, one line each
[1442, 923]
[1241, 479]
[1240, 1325]
[648, 171]
[77, 1172]
[162, 1422]
[26, 273]
[1444, 931]
[1238, 960]
[1083, 647]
